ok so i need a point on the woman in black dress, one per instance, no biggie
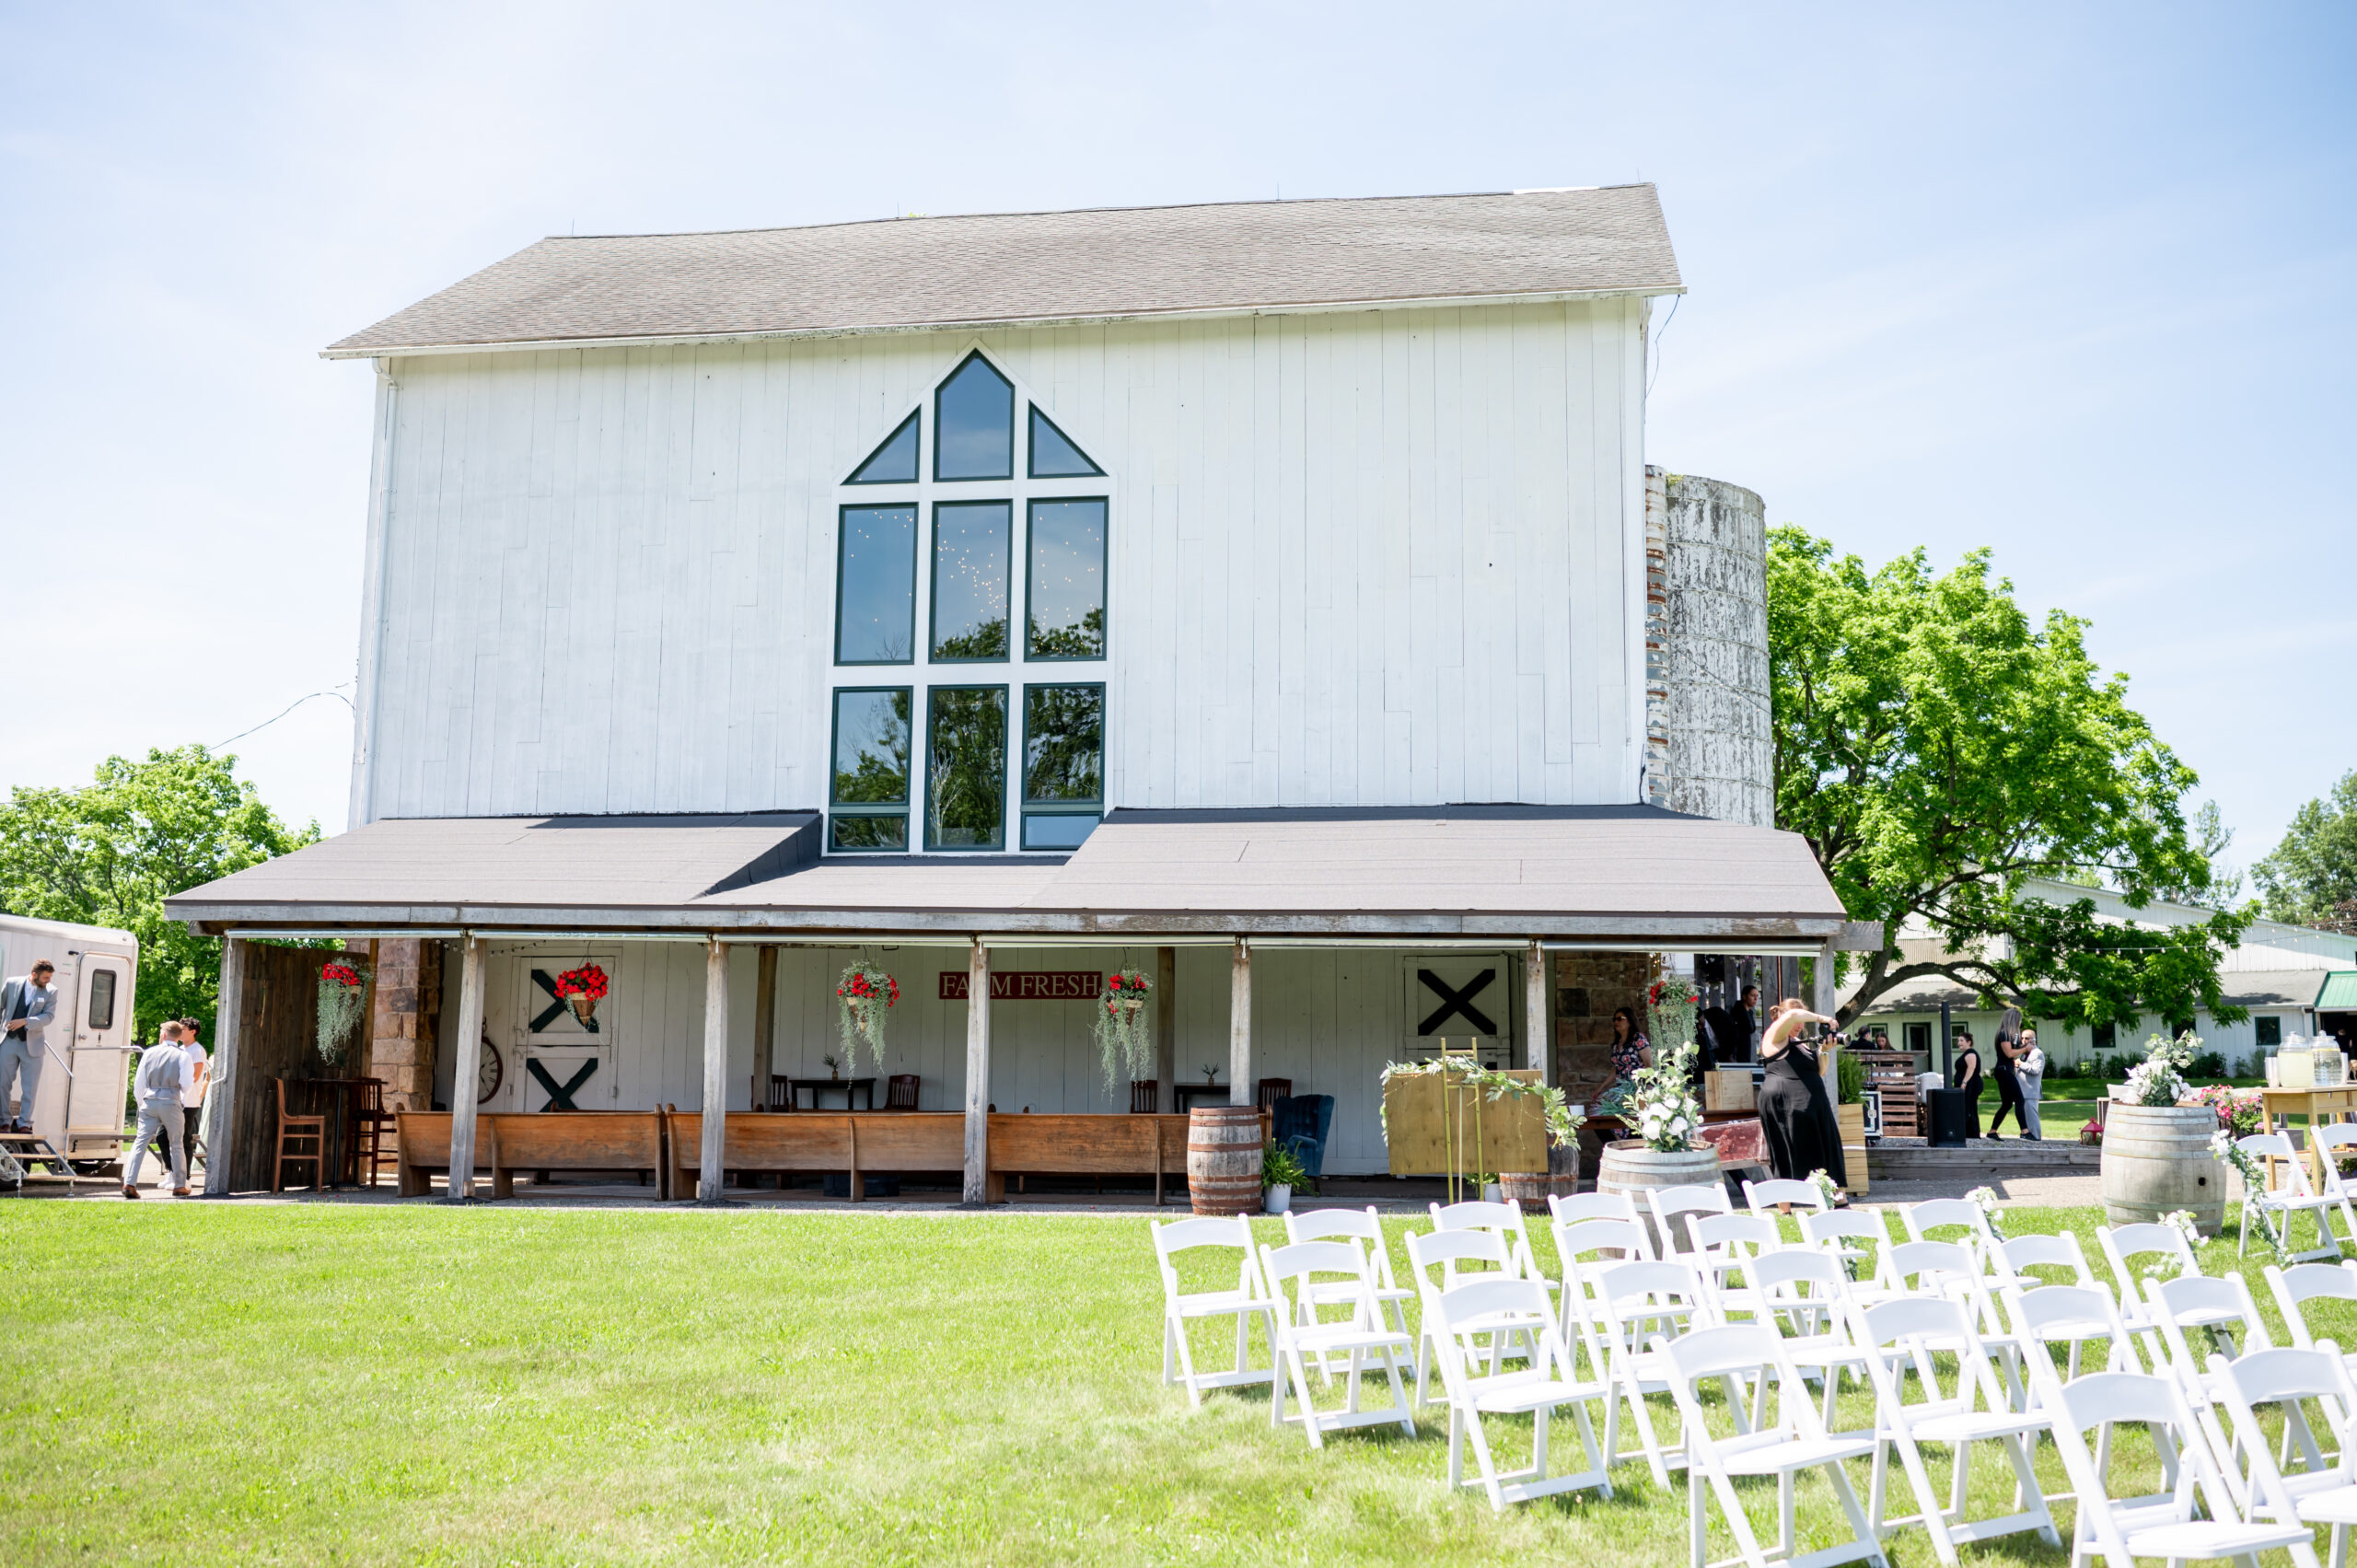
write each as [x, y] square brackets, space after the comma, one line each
[1796, 1114]
[1968, 1078]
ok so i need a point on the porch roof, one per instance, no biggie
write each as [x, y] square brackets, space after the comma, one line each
[1507, 871]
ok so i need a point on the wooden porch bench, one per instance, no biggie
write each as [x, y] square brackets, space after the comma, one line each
[819, 1142]
[1084, 1144]
[507, 1142]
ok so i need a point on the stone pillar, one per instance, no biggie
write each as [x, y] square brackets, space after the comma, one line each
[404, 1020]
[1589, 986]
[1716, 652]
[1657, 761]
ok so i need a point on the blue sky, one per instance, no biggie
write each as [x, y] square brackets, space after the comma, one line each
[2075, 283]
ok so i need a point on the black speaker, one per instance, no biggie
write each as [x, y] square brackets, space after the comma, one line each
[1951, 1119]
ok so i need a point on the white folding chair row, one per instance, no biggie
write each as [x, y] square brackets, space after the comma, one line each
[1670, 1205]
[1760, 1197]
[1946, 1214]
[1722, 1245]
[1364, 1226]
[1295, 1328]
[1550, 1379]
[1248, 1299]
[2296, 1286]
[2292, 1196]
[1835, 1230]
[1505, 1219]
[1441, 1259]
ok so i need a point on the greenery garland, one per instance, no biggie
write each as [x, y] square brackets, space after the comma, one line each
[2226, 1151]
[1562, 1124]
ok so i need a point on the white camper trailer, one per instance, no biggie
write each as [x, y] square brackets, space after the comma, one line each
[86, 1069]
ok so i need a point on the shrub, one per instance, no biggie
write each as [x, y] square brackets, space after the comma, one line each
[2207, 1064]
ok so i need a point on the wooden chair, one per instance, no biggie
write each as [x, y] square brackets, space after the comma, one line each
[1271, 1090]
[781, 1092]
[1146, 1096]
[901, 1092]
[370, 1122]
[293, 1129]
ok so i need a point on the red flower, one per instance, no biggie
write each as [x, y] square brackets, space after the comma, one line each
[343, 974]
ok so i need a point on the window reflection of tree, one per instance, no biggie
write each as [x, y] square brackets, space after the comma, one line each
[987, 641]
[1065, 749]
[880, 775]
[1081, 639]
[966, 767]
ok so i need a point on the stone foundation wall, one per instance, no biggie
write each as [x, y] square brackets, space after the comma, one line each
[404, 1021]
[1713, 656]
[1589, 986]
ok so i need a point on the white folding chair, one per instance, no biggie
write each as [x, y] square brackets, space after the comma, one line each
[1570, 1208]
[1551, 1380]
[2170, 1524]
[1441, 1258]
[1634, 1307]
[2013, 1263]
[2321, 1492]
[1944, 1214]
[1721, 1244]
[1358, 1337]
[1582, 1247]
[1669, 1205]
[2077, 1316]
[1796, 1442]
[1246, 1301]
[2332, 1140]
[2195, 1306]
[2286, 1195]
[1364, 1226]
[2296, 1286]
[1952, 1270]
[1905, 1336]
[1504, 1218]
[1805, 1296]
[1767, 1197]
[2124, 1249]
[1836, 1229]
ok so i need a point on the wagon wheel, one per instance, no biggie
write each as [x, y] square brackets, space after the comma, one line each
[487, 1072]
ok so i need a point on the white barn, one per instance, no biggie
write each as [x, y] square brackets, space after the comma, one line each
[1271, 598]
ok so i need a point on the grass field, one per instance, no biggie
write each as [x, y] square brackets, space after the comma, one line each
[360, 1385]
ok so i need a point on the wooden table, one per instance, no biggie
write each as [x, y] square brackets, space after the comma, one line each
[2319, 1106]
[1185, 1095]
[852, 1088]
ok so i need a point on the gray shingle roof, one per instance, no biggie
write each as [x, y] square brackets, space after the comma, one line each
[1014, 267]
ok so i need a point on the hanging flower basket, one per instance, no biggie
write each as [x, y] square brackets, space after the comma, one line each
[582, 989]
[342, 991]
[866, 994]
[1124, 1035]
[1672, 1002]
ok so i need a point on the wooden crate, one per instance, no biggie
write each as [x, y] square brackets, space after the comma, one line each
[1852, 1119]
[1893, 1072]
[1729, 1088]
[1432, 1127]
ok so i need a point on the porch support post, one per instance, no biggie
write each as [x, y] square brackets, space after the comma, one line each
[1822, 983]
[1239, 1024]
[1165, 1029]
[978, 1075]
[221, 1096]
[1534, 1012]
[764, 1023]
[466, 1070]
[715, 1068]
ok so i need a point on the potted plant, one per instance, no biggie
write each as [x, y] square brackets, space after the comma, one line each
[342, 993]
[1280, 1172]
[1123, 1029]
[864, 993]
[582, 989]
[2157, 1154]
[1662, 1111]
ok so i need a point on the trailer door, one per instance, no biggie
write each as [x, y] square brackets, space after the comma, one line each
[101, 1051]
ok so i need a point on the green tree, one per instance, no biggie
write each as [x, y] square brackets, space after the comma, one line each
[110, 853]
[1937, 750]
[2311, 879]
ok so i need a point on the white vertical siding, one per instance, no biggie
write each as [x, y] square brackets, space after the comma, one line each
[1376, 558]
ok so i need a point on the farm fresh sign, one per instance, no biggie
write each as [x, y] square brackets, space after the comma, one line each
[1030, 985]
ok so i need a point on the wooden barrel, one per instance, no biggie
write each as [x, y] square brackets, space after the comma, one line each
[1224, 1159]
[2156, 1160]
[1562, 1179]
[1630, 1166]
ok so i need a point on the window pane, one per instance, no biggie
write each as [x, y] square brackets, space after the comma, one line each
[970, 548]
[101, 1000]
[872, 748]
[1063, 744]
[871, 833]
[1056, 830]
[876, 595]
[1067, 587]
[895, 462]
[973, 424]
[965, 768]
[1052, 454]
[2271, 1030]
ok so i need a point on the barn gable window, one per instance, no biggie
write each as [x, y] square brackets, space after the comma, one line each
[947, 763]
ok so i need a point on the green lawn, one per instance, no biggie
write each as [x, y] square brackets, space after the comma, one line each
[374, 1384]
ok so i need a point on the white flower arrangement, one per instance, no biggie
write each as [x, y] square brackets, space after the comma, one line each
[2226, 1151]
[1985, 1200]
[1666, 1115]
[2159, 1080]
[2183, 1221]
[1824, 1183]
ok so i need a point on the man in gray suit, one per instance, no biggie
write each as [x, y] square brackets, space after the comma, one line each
[27, 1005]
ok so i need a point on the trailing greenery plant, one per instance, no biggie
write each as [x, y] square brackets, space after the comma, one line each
[1562, 1124]
[1124, 1031]
[1849, 1079]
